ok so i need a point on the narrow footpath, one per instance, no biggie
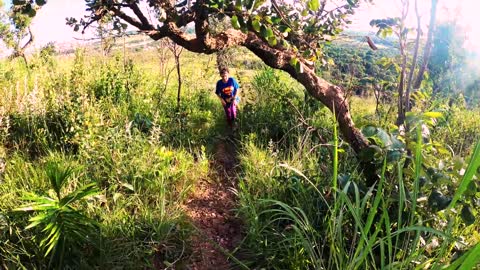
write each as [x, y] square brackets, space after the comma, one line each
[210, 209]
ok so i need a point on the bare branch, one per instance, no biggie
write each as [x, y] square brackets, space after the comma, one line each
[129, 19]
[133, 5]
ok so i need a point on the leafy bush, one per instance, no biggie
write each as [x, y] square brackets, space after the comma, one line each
[116, 80]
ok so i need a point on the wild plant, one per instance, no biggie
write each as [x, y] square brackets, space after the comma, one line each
[65, 229]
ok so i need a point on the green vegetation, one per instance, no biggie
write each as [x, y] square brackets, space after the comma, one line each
[97, 162]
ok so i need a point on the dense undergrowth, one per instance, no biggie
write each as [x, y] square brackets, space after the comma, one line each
[96, 160]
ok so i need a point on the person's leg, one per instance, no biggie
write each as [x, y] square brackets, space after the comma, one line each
[233, 114]
[227, 109]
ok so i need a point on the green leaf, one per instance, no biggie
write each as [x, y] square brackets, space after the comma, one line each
[394, 155]
[437, 201]
[299, 67]
[284, 29]
[313, 5]
[40, 2]
[256, 25]
[249, 4]
[468, 176]
[276, 20]
[268, 19]
[266, 32]
[19, 2]
[368, 154]
[467, 215]
[468, 261]
[383, 137]
[258, 3]
[242, 23]
[293, 61]
[238, 5]
[285, 43]
[433, 114]
[369, 131]
[83, 192]
[235, 22]
[272, 41]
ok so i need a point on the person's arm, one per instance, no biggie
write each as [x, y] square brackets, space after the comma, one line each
[235, 90]
[222, 100]
[217, 93]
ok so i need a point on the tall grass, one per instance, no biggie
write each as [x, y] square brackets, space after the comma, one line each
[341, 225]
[107, 120]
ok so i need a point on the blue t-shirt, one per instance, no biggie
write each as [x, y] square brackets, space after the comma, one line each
[228, 89]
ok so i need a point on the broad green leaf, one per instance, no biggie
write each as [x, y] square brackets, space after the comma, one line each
[313, 5]
[369, 131]
[437, 201]
[383, 137]
[284, 29]
[467, 215]
[266, 32]
[268, 19]
[276, 20]
[258, 3]
[394, 155]
[256, 25]
[368, 153]
[272, 41]
[235, 22]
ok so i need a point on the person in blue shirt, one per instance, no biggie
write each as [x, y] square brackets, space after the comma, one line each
[226, 91]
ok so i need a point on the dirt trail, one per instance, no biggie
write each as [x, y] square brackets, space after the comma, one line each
[210, 208]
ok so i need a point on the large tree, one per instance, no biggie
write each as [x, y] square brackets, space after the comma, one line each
[286, 34]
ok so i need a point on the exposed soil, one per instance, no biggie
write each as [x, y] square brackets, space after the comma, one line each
[210, 209]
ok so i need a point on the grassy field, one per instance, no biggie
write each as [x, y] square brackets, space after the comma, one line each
[97, 163]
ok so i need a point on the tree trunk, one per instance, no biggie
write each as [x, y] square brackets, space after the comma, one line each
[414, 60]
[428, 45]
[330, 95]
[401, 87]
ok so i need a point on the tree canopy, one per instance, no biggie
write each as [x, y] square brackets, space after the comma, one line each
[286, 35]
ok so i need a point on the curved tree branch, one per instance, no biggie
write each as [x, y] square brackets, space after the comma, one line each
[133, 5]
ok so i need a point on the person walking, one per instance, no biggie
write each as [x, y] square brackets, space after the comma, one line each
[226, 90]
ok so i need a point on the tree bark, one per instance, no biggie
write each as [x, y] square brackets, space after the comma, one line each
[414, 60]
[402, 39]
[428, 45]
[330, 95]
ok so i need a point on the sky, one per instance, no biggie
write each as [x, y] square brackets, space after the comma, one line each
[49, 24]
